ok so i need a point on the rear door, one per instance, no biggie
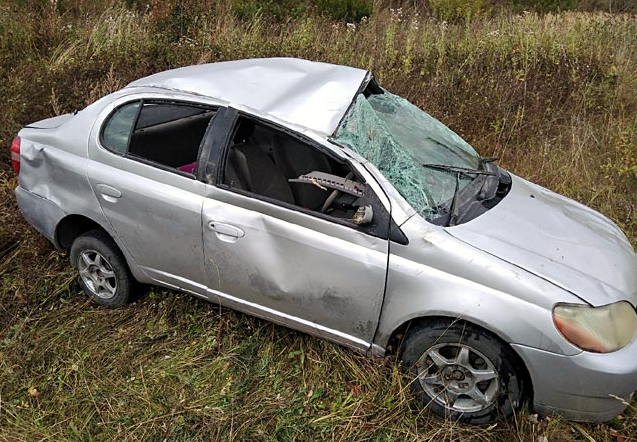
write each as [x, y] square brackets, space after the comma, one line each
[142, 170]
[267, 255]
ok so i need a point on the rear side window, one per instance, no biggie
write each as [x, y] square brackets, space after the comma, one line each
[170, 134]
[167, 134]
[118, 128]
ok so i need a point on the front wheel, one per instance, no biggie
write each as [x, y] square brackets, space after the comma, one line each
[104, 274]
[462, 372]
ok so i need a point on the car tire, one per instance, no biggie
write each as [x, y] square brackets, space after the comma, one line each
[103, 273]
[462, 372]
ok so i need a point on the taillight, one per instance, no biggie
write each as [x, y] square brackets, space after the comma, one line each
[15, 155]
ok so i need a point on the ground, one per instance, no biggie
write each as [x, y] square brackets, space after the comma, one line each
[551, 95]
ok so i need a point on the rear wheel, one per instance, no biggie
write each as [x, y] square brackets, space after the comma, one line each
[463, 372]
[104, 274]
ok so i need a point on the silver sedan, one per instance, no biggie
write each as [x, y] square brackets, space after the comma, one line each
[306, 194]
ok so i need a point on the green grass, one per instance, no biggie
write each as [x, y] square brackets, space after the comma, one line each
[551, 95]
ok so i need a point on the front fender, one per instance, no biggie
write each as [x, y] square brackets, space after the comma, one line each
[437, 275]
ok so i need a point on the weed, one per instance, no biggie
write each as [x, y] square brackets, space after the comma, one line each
[552, 95]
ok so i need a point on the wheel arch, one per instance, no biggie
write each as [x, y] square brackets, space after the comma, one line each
[394, 343]
[72, 226]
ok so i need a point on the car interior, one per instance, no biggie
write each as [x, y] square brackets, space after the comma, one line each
[276, 165]
[262, 160]
[170, 134]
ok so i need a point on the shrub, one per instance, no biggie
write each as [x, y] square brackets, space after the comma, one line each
[457, 10]
[281, 9]
[348, 10]
[546, 5]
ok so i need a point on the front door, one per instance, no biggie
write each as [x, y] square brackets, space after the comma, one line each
[273, 249]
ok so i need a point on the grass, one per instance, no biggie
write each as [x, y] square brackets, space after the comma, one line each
[551, 95]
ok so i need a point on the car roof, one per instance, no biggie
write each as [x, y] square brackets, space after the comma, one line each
[305, 93]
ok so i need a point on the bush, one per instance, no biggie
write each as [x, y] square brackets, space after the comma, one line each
[280, 9]
[348, 10]
[457, 10]
[546, 5]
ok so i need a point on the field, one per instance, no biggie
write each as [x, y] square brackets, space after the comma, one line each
[550, 94]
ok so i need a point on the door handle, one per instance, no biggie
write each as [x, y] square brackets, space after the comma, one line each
[226, 230]
[109, 190]
[109, 193]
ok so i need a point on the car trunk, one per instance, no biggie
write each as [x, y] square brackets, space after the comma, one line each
[50, 123]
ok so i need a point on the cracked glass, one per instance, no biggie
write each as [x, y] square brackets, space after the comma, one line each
[398, 138]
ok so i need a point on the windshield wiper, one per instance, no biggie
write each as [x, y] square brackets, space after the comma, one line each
[453, 215]
[485, 160]
[456, 170]
[489, 187]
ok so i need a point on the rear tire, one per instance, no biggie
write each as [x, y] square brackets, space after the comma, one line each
[103, 273]
[462, 372]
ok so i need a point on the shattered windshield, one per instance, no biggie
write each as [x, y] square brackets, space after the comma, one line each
[398, 138]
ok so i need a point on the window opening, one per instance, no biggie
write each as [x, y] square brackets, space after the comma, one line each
[276, 165]
[170, 134]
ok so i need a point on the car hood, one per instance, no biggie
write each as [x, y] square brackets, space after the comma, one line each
[557, 239]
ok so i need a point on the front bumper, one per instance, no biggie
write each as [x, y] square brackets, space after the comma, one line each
[587, 386]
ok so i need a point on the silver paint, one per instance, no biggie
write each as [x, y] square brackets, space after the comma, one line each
[438, 275]
[309, 94]
[559, 240]
[587, 386]
[269, 264]
[504, 270]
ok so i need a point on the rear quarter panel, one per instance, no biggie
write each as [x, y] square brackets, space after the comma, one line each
[53, 182]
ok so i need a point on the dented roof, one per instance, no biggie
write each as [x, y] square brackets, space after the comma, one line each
[309, 94]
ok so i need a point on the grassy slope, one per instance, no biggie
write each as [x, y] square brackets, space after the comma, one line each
[552, 96]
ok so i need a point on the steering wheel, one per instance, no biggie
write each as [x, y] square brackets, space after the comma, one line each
[335, 193]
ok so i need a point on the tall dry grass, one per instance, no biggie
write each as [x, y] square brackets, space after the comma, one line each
[551, 95]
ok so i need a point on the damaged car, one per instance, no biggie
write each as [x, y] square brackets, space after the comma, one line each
[306, 194]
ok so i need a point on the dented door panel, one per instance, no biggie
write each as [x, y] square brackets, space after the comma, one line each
[294, 268]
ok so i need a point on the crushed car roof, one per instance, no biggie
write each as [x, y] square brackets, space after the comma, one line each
[306, 93]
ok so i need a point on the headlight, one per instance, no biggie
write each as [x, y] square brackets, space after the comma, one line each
[597, 329]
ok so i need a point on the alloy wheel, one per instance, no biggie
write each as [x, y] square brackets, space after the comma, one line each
[458, 377]
[97, 274]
